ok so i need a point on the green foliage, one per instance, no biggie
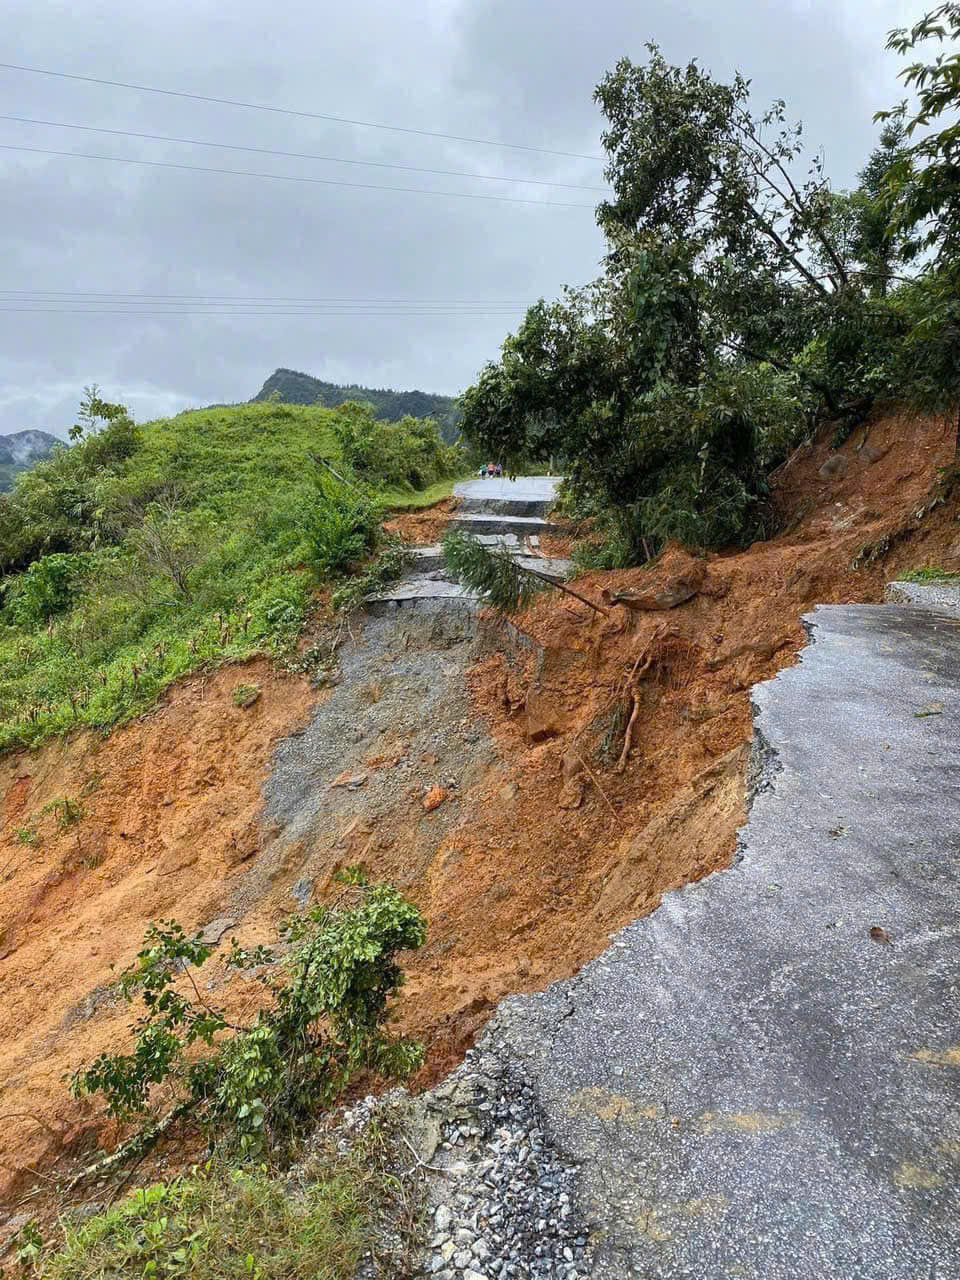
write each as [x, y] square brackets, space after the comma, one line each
[217, 1223]
[342, 528]
[406, 455]
[47, 587]
[403, 500]
[170, 543]
[255, 1086]
[928, 573]
[68, 812]
[29, 1245]
[245, 695]
[289, 387]
[691, 164]
[392, 560]
[142, 553]
[600, 543]
[668, 444]
[740, 302]
[494, 575]
[925, 181]
[925, 366]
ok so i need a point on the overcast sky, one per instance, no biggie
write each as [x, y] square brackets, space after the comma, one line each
[518, 71]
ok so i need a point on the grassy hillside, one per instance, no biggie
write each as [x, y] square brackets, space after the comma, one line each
[144, 552]
[300, 388]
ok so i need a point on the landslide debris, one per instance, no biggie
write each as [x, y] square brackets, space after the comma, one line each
[542, 846]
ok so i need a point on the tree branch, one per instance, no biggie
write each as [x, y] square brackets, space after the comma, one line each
[798, 200]
[560, 586]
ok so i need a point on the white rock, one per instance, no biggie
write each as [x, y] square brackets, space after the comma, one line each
[443, 1217]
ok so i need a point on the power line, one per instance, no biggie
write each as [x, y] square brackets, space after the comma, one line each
[300, 155]
[289, 111]
[233, 297]
[287, 177]
[302, 314]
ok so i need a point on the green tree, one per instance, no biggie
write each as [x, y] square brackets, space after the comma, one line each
[925, 181]
[690, 162]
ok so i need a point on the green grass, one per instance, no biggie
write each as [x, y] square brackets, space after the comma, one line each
[240, 500]
[227, 1224]
[398, 500]
[929, 573]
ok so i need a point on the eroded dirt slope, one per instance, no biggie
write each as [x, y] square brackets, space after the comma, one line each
[538, 850]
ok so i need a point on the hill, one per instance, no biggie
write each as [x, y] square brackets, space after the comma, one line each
[300, 388]
[142, 553]
[21, 450]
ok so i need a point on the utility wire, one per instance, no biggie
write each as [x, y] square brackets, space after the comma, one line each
[289, 111]
[58, 294]
[39, 307]
[84, 311]
[287, 177]
[300, 155]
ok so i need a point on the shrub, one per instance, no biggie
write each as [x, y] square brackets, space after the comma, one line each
[255, 1086]
[409, 454]
[386, 568]
[171, 542]
[48, 587]
[245, 695]
[68, 812]
[343, 527]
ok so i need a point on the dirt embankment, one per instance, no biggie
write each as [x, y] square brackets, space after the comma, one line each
[546, 846]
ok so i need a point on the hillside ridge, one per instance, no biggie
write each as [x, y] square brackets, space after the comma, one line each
[20, 450]
[295, 387]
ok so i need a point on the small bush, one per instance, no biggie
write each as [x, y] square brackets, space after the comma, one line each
[343, 528]
[47, 587]
[254, 1086]
[245, 695]
[386, 568]
[67, 811]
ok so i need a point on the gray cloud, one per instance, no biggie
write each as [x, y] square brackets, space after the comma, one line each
[518, 70]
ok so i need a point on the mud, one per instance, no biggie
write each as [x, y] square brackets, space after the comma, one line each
[540, 848]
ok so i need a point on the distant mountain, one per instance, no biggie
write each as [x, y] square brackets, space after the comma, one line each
[300, 388]
[20, 451]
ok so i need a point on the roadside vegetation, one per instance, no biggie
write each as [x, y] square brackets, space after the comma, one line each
[253, 1090]
[743, 303]
[222, 1224]
[144, 552]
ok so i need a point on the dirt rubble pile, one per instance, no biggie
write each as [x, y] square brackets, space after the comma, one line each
[584, 771]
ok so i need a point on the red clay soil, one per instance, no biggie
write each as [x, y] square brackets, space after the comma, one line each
[558, 846]
[170, 816]
[564, 849]
[424, 527]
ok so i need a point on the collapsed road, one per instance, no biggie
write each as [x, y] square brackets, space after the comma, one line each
[761, 1078]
